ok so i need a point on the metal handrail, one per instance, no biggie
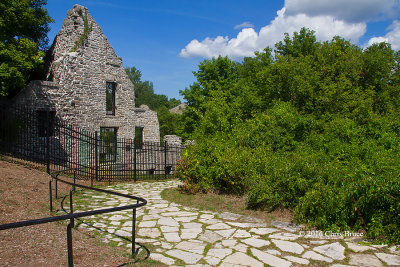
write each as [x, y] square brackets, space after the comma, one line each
[71, 216]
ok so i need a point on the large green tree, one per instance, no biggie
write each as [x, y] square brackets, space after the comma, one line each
[24, 25]
[144, 94]
[303, 43]
[215, 79]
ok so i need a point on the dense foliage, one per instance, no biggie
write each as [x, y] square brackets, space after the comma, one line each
[144, 94]
[24, 25]
[314, 128]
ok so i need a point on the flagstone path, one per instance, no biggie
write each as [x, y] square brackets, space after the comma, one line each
[184, 236]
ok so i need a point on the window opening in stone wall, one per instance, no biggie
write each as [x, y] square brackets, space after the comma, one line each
[110, 98]
[46, 124]
[138, 137]
[108, 144]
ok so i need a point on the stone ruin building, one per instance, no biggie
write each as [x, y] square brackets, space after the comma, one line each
[86, 84]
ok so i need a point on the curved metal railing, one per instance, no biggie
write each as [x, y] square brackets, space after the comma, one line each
[72, 216]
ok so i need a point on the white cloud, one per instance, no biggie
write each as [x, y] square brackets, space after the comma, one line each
[378, 40]
[348, 10]
[247, 41]
[245, 24]
[325, 27]
[243, 45]
[392, 37]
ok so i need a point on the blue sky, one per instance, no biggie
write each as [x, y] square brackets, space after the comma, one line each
[166, 39]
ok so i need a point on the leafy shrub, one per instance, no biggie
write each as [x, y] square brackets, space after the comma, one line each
[316, 130]
[336, 175]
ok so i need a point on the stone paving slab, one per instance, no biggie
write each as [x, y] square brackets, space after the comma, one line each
[194, 237]
[270, 259]
[366, 260]
[288, 246]
[334, 250]
[389, 259]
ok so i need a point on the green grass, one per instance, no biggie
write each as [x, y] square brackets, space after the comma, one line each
[11, 202]
[223, 203]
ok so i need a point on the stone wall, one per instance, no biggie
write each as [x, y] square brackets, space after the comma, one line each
[39, 95]
[77, 76]
[178, 109]
[148, 119]
[173, 140]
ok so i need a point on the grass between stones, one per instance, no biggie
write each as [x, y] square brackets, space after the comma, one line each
[223, 203]
[82, 202]
[212, 202]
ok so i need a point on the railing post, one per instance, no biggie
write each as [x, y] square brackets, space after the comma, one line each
[134, 232]
[48, 141]
[56, 188]
[96, 171]
[71, 209]
[134, 159]
[165, 159]
[69, 245]
[51, 197]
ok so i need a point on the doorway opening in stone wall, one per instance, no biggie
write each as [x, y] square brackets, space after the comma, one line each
[108, 144]
[46, 122]
[138, 137]
[110, 98]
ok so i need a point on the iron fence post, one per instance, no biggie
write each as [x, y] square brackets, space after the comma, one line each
[71, 209]
[75, 180]
[165, 159]
[56, 189]
[69, 245]
[134, 159]
[96, 159]
[48, 141]
[51, 197]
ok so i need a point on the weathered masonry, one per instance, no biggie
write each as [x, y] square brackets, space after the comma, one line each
[86, 84]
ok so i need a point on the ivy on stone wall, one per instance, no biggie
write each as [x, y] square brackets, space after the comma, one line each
[86, 30]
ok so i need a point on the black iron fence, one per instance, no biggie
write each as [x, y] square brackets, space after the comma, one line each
[39, 136]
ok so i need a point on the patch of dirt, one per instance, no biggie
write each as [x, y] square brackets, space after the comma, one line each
[24, 195]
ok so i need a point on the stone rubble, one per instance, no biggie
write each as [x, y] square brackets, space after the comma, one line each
[192, 237]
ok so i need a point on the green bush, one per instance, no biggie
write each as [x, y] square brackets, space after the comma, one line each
[336, 175]
[315, 129]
